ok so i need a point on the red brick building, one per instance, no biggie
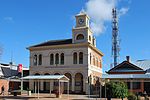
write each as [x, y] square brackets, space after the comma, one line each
[9, 77]
[136, 75]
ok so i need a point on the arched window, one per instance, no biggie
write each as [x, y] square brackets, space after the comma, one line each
[36, 74]
[51, 59]
[62, 59]
[57, 59]
[80, 37]
[74, 58]
[93, 60]
[35, 60]
[97, 62]
[81, 58]
[100, 63]
[40, 59]
[89, 38]
[90, 58]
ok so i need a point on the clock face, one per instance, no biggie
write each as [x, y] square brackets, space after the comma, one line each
[81, 21]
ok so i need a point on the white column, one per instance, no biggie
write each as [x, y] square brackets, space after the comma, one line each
[38, 88]
[41, 85]
[35, 87]
[68, 89]
[31, 84]
[59, 88]
[86, 86]
[62, 86]
[73, 83]
[52, 85]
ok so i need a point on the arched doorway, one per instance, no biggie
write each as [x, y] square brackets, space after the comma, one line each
[68, 75]
[78, 83]
[46, 85]
[56, 84]
[36, 84]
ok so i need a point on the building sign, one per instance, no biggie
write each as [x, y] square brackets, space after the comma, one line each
[19, 68]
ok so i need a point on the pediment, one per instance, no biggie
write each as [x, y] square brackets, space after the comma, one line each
[125, 66]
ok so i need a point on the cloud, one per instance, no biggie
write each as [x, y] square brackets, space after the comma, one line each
[100, 11]
[122, 11]
[8, 19]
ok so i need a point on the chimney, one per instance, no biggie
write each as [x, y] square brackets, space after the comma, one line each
[128, 58]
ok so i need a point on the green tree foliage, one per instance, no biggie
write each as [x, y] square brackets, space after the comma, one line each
[117, 89]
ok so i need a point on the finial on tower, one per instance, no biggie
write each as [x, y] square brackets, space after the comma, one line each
[82, 11]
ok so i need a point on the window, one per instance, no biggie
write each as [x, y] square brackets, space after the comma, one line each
[97, 62]
[40, 59]
[62, 59]
[81, 58]
[80, 37]
[136, 85]
[89, 38]
[90, 58]
[51, 59]
[35, 60]
[57, 59]
[100, 63]
[75, 58]
[93, 60]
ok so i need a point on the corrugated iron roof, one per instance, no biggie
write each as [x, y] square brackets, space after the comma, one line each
[126, 76]
[7, 72]
[46, 77]
[144, 64]
[54, 42]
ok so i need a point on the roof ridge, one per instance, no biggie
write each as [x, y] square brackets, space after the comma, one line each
[52, 41]
[143, 60]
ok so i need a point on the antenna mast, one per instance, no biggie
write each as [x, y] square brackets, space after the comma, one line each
[115, 38]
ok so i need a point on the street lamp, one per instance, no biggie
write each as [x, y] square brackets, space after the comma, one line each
[103, 83]
[89, 84]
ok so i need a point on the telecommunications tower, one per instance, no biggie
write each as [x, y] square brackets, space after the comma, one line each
[115, 38]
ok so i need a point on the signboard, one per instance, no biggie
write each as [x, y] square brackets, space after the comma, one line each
[20, 68]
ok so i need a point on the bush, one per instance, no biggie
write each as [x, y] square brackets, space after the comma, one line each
[146, 98]
[132, 97]
[117, 89]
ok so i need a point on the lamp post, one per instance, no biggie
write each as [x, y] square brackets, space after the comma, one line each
[89, 83]
[103, 84]
[100, 95]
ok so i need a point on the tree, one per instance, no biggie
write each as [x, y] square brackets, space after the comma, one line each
[117, 89]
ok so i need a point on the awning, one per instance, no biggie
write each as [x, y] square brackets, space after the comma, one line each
[126, 76]
[61, 78]
[37, 78]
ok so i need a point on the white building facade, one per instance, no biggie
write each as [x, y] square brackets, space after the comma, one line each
[77, 58]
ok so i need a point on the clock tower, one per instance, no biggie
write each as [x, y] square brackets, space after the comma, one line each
[82, 32]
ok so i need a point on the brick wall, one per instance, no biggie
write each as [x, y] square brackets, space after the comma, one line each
[4, 83]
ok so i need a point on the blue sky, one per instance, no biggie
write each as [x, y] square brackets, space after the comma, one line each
[27, 22]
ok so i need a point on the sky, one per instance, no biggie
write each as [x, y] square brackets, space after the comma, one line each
[27, 22]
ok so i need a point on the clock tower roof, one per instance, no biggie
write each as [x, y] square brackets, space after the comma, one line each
[83, 14]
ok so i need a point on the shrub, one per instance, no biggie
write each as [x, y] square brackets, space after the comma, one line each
[117, 89]
[132, 97]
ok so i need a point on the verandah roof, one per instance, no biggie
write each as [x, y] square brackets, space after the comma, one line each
[61, 78]
[126, 76]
